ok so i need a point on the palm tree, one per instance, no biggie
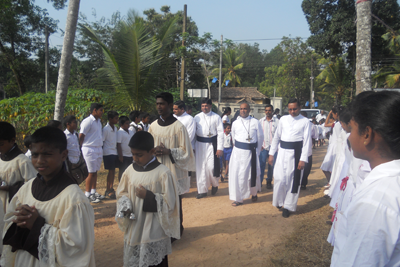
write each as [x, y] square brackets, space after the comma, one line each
[231, 66]
[334, 78]
[132, 70]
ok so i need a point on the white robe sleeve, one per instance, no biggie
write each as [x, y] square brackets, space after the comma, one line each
[260, 136]
[123, 203]
[183, 155]
[220, 132]
[306, 142]
[168, 205]
[233, 132]
[191, 129]
[276, 140]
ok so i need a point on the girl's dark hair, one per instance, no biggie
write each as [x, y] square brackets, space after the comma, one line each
[380, 111]
[345, 114]
[335, 109]
[226, 111]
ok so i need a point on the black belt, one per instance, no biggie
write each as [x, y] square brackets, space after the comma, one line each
[252, 147]
[298, 147]
[214, 142]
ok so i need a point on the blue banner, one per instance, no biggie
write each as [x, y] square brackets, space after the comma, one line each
[214, 80]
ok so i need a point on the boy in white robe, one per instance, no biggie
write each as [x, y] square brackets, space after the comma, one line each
[49, 221]
[147, 206]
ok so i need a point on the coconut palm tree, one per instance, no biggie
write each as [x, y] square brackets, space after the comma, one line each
[334, 78]
[230, 67]
[132, 70]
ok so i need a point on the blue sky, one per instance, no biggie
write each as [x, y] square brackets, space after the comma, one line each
[235, 20]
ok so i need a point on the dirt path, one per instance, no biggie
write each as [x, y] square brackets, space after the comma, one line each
[217, 234]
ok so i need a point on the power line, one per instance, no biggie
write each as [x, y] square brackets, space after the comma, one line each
[269, 39]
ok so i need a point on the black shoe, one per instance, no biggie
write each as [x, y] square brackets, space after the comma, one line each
[254, 198]
[269, 185]
[279, 207]
[303, 187]
[222, 179]
[201, 195]
[214, 190]
[285, 213]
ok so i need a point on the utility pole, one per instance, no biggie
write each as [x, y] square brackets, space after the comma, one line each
[46, 60]
[183, 59]
[220, 74]
[363, 63]
[312, 82]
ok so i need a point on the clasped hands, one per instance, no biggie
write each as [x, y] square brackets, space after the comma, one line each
[161, 150]
[25, 216]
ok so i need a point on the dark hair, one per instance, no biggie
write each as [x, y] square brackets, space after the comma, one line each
[122, 120]
[142, 141]
[133, 115]
[7, 131]
[226, 125]
[54, 123]
[226, 111]
[335, 109]
[68, 119]
[167, 97]
[304, 114]
[277, 110]
[294, 100]
[345, 114]
[189, 107]
[206, 101]
[143, 115]
[380, 111]
[180, 104]
[27, 141]
[94, 106]
[112, 114]
[51, 136]
[269, 106]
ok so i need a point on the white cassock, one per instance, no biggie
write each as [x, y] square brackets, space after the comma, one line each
[147, 239]
[369, 228]
[207, 124]
[290, 129]
[176, 138]
[67, 237]
[240, 162]
[329, 159]
[190, 125]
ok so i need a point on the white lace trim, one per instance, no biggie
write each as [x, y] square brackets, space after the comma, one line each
[169, 223]
[47, 256]
[183, 185]
[146, 254]
[123, 204]
[7, 257]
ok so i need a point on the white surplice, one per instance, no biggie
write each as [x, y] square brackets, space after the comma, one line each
[67, 238]
[240, 162]
[190, 125]
[329, 159]
[207, 123]
[341, 165]
[368, 230]
[175, 137]
[147, 239]
[290, 129]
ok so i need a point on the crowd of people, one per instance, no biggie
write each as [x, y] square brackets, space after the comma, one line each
[157, 156]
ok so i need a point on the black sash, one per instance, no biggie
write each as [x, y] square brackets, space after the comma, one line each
[252, 147]
[214, 141]
[298, 147]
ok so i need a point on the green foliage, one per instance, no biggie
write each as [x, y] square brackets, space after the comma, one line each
[32, 110]
[230, 68]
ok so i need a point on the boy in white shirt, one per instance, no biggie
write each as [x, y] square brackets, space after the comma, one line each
[227, 149]
[110, 155]
[134, 117]
[73, 148]
[91, 141]
[144, 122]
[124, 135]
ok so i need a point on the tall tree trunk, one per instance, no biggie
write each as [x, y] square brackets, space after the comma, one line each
[66, 58]
[363, 67]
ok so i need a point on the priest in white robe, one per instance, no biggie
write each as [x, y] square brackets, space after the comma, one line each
[244, 166]
[293, 137]
[173, 146]
[209, 148]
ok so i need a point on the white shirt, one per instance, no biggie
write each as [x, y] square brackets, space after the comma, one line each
[227, 140]
[210, 123]
[314, 135]
[28, 154]
[320, 117]
[123, 138]
[109, 140]
[189, 124]
[144, 127]
[293, 129]
[132, 127]
[269, 129]
[368, 229]
[226, 119]
[73, 146]
[92, 129]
